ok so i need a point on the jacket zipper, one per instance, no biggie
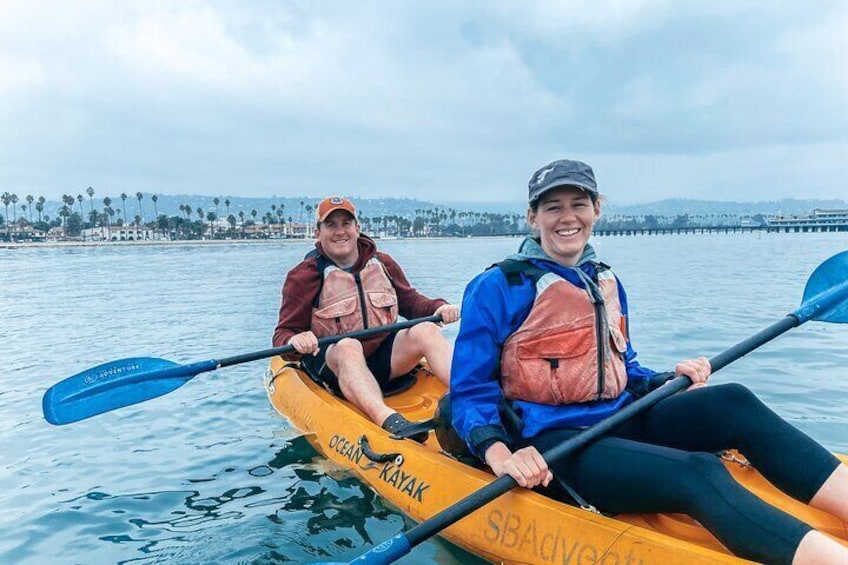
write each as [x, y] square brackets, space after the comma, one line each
[598, 303]
[361, 301]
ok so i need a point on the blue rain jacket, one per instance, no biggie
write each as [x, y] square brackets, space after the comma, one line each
[492, 310]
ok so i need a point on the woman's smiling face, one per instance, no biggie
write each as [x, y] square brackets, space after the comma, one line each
[564, 219]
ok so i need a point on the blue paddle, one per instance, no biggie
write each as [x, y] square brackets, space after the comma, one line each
[825, 300]
[124, 382]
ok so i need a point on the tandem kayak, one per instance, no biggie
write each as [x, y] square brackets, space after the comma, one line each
[521, 526]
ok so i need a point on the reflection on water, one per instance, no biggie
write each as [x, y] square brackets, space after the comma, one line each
[210, 474]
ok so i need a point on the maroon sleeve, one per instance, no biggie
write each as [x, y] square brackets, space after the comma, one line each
[411, 303]
[299, 291]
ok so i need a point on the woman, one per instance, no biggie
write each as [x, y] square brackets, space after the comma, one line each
[546, 334]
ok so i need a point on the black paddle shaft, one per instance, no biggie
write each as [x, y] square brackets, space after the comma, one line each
[361, 334]
[501, 485]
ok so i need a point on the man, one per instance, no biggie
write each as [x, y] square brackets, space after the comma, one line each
[344, 285]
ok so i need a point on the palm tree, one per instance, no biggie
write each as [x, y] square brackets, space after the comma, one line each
[80, 199]
[254, 213]
[155, 199]
[39, 207]
[64, 212]
[216, 201]
[211, 217]
[124, 202]
[30, 200]
[140, 211]
[309, 212]
[90, 192]
[300, 218]
[14, 200]
[6, 199]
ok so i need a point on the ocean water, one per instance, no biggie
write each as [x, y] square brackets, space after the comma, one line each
[210, 474]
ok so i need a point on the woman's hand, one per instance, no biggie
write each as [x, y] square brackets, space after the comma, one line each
[305, 343]
[698, 370]
[448, 312]
[526, 465]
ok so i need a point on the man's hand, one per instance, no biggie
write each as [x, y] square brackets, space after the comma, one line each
[305, 343]
[448, 312]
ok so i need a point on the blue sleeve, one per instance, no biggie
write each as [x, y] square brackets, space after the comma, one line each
[636, 373]
[491, 311]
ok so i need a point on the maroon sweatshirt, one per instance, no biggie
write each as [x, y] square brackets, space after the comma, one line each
[303, 283]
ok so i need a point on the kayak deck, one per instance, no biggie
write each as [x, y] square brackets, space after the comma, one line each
[521, 526]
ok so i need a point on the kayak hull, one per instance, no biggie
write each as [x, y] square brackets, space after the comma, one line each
[521, 526]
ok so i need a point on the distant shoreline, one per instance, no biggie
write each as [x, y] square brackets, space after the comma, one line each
[164, 242]
[178, 242]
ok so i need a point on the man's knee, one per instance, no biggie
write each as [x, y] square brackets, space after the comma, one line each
[344, 351]
[424, 333]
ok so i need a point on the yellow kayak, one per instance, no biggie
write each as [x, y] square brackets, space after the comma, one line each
[519, 527]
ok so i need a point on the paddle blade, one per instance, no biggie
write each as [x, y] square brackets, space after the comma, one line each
[826, 293]
[112, 385]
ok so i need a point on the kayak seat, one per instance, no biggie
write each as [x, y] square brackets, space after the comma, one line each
[393, 387]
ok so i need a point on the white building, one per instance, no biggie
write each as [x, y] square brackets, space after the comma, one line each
[122, 233]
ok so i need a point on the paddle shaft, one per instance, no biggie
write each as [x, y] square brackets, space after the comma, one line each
[361, 334]
[501, 485]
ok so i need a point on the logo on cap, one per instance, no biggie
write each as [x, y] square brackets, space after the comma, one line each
[544, 173]
[336, 200]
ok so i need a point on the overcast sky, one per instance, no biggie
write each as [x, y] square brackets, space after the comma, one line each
[445, 101]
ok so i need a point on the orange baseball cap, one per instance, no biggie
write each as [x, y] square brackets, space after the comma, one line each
[333, 203]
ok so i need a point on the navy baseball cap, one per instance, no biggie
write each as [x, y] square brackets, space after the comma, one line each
[562, 173]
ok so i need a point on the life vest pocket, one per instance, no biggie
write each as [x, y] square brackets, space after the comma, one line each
[384, 308]
[617, 340]
[338, 309]
[382, 299]
[560, 346]
[340, 317]
[552, 369]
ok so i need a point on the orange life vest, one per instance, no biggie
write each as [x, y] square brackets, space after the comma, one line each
[348, 302]
[571, 346]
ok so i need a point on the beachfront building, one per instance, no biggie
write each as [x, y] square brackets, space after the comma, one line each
[122, 233]
[819, 220]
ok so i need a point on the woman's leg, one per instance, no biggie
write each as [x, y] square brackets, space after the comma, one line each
[730, 417]
[619, 475]
[833, 495]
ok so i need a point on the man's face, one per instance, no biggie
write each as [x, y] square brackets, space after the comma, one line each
[338, 234]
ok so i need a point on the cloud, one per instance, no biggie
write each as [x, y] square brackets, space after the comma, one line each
[440, 100]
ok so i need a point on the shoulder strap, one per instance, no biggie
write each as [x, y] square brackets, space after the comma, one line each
[513, 270]
[323, 262]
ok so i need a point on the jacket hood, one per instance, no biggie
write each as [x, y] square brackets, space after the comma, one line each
[531, 248]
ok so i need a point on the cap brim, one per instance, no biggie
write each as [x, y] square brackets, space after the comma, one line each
[331, 210]
[579, 185]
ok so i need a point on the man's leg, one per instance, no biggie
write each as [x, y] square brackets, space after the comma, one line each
[423, 340]
[346, 359]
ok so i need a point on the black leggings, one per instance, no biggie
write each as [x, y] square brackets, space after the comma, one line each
[662, 461]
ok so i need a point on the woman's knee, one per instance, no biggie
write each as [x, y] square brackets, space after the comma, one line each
[694, 470]
[737, 396]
